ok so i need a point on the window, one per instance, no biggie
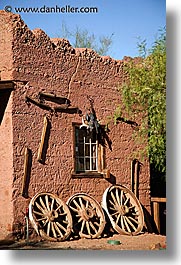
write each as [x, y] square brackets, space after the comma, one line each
[89, 154]
[86, 150]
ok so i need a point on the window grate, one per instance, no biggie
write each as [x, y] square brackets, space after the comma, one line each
[86, 151]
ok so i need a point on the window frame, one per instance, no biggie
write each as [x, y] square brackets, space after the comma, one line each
[100, 169]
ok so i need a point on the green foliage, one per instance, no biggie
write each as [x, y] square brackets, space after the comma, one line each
[145, 95]
[81, 38]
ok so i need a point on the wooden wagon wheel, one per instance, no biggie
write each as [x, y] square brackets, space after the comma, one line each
[50, 217]
[123, 209]
[88, 216]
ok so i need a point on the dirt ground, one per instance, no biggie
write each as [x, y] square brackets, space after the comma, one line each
[144, 241]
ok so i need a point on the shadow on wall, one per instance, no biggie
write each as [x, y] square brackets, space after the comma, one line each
[150, 224]
[112, 179]
[44, 143]
[4, 98]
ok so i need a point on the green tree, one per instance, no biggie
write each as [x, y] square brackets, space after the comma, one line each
[145, 95]
[81, 38]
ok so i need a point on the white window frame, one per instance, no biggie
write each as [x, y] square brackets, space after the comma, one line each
[86, 157]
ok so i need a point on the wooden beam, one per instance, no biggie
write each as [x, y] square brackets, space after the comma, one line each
[157, 199]
[156, 215]
[4, 84]
[42, 142]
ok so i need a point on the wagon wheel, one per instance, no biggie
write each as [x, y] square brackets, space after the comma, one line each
[50, 217]
[88, 216]
[123, 209]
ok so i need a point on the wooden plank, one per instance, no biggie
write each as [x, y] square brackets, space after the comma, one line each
[42, 142]
[26, 175]
[157, 199]
[4, 84]
[99, 159]
[156, 215]
[106, 173]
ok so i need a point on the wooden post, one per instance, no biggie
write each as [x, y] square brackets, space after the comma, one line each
[136, 178]
[106, 173]
[156, 212]
[132, 176]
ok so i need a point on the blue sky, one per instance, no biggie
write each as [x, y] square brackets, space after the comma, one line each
[126, 19]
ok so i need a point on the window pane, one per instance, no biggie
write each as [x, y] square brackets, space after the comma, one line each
[87, 164]
[94, 164]
[80, 164]
[87, 150]
[93, 150]
[81, 149]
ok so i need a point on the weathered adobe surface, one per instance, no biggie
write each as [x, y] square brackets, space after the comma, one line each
[54, 66]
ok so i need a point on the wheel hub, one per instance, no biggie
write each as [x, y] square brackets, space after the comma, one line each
[51, 215]
[122, 209]
[87, 214]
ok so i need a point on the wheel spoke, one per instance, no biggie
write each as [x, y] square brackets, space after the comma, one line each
[76, 203]
[112, 203]
[121, 197]
[126, 200]
[53, 229]
[117, 196]
[42, 203]
[58, 230]
[45, 223]
[73, 209]
[47, 202]
[81, 203]
[87, 204]
[52, 204]
[48, 228]
[122, 223]
[39, 207]
[118, 218]
[88, 228]
[82, 226]
[61, 226]
[38, 213]
[41, 219]
[129, 217]
[80, 220]
[114, 213]
[93, 227]
[56, 210]
[130, 223]
[65, 222]
[126, 224]
[114, 199]
[112, 208]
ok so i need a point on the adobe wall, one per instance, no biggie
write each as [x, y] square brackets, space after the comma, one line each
[6, 134]
[54, 66]
[6, 172]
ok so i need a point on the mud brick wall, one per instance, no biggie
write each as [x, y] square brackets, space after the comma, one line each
[54, 66]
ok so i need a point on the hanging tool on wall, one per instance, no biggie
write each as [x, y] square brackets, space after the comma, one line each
[44, 141]
[53, 98]
[89, 120]
[135, 168]
[55, 103]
